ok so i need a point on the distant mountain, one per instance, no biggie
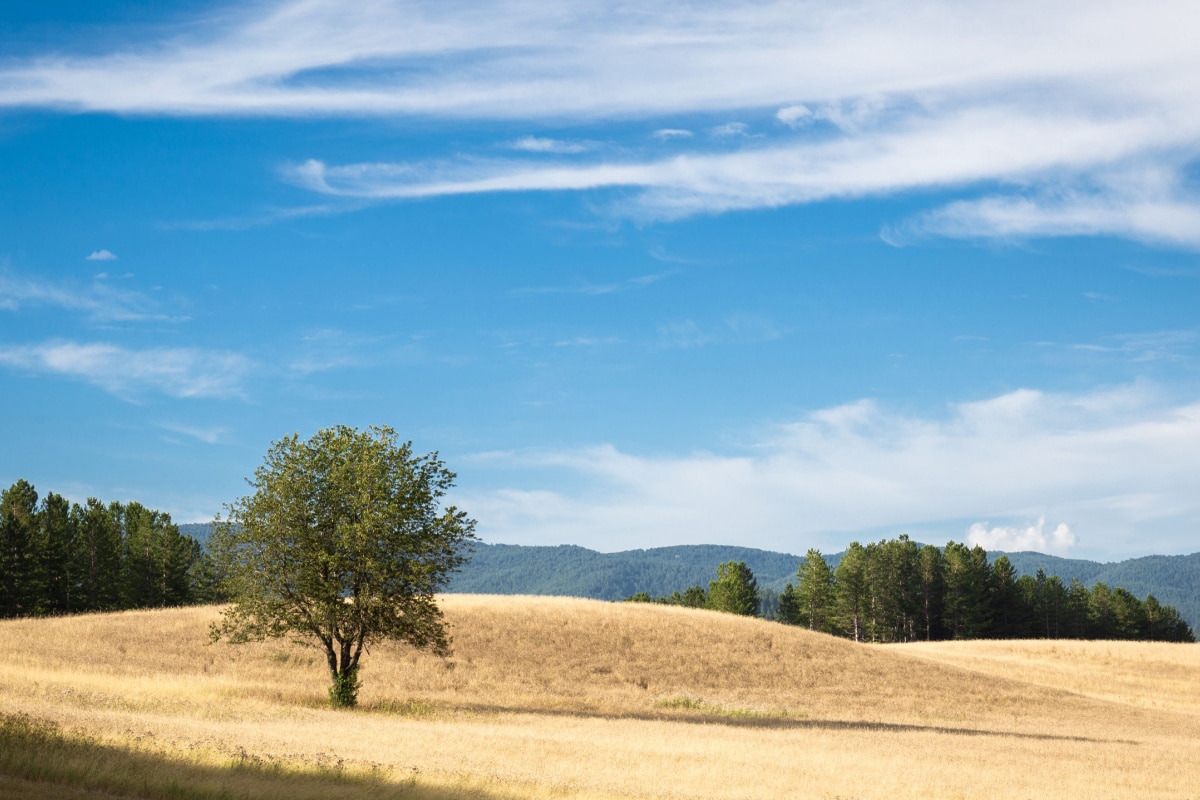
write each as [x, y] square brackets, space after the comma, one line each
[197, 530]
[576, 571]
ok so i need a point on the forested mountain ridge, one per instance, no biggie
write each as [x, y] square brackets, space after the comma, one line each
[576, 571]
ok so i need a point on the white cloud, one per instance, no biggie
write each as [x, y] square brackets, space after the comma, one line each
[178, 372]
[667, 134]
[1019, 539]
[953, 151]
[588, 341]
[740, 329]
[638, 282]
[446, 59]
[685, 335]
[795, 116]
[208, 435]
[925, 94]
[100, 301]
[537, 144]
[1148, 204]
[102, 255]
[1116, 467]
[731, 129]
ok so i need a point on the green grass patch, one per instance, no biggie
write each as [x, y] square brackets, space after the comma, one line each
[684, 703]
[406, 708]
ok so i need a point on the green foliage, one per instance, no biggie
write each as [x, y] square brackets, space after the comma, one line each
[692, 597]
[852, 592]
[157, 557]
[58, 557]
[1009, 609]
[897, 591]
[814, 594]
[893, 591]
[789, 611]
[343, 691]
[894, 583]
[931, 593]
[735, 591]
[968, 583]
[342, 544]
[21, 575]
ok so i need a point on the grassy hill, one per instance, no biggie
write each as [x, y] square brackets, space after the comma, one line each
[560, 697]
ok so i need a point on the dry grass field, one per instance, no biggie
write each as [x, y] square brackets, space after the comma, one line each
[554, 697]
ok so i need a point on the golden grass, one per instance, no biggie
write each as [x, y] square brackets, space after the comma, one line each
[556, 697]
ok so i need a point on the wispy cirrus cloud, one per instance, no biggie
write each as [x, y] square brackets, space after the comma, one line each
[740, 329]
[595, 59]
[542, 144]
[667, 134]
[1111, 470]
[1148, 203]
[99, 300]
[732, 129]
[185, 372]
[212, 434]
[951, 151]
[589, 288]
[867, 98]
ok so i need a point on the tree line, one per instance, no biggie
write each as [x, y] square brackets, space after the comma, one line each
[898, 591]
[59, 557]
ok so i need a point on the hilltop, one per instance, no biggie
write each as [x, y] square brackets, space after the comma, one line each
[543, 696]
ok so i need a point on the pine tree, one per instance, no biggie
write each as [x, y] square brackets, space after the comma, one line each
[968, 578]
[1075, 617]
[814, 593]
[20, 557]
[1102, 617]
[789, 607]
[851, 593]
[931, 569]
[97, 557]
[57, 544]
[894, 586]
[735, 590]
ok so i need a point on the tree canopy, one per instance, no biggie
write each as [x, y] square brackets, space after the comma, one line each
[58, 557]
[342, 544]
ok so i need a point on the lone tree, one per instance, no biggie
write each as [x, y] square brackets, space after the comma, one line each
[343, 544]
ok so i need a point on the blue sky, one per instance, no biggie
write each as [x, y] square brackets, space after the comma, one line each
[776, 274]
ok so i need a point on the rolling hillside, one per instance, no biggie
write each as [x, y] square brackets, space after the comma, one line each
[559, 697]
